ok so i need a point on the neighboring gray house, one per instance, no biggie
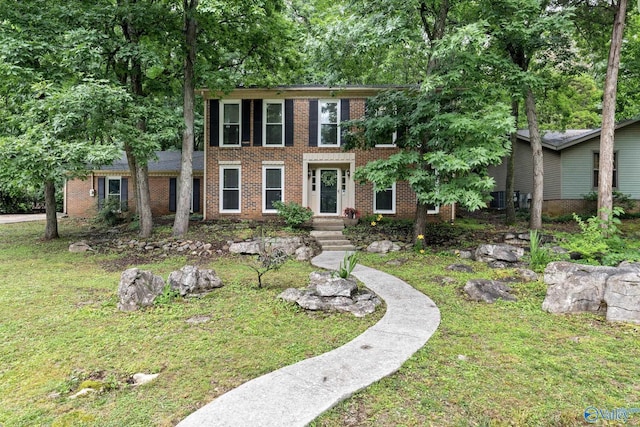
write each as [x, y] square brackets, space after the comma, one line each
[571, 168]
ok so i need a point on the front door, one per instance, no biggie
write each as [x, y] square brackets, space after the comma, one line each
[329, 185]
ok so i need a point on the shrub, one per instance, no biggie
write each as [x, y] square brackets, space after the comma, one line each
[294, 214]
[111, 213]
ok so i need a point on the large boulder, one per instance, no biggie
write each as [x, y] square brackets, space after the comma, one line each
[138, 288]
[383, 247]
[329, 293]
[489, 291]
[622, 295]
[498, 252]
[254, 247]
[575, 288]
[191, 281]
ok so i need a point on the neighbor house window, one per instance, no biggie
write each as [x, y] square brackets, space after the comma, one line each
[384, 201]
[596, 170]
[329, 119]
[272, 187]
[230, 112]
[273, 123]
[230, 189]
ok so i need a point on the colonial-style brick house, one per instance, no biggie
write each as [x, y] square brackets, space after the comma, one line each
[264, 145]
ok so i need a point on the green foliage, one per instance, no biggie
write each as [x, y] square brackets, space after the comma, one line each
[294, 214]
[621, 200]
[539, 257]
[269, 258]
[601, 241]
[347, 265]
[167, 297]
[111, 213]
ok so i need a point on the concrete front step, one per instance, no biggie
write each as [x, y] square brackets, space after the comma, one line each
[339, 248]
[328, 227]
[326, 234]
[333, 242]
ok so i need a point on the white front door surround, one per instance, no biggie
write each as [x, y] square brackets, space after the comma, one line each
[324, 196]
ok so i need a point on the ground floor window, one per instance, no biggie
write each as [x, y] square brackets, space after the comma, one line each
[230, 177]
[596, 170]
[272, 187]
[384, 201]
[113, 190]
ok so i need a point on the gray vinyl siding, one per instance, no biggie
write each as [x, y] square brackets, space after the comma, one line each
[577, 164]
[523, 171]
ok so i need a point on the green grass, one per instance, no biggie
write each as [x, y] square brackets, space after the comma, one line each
[60, 327]
[502, 364]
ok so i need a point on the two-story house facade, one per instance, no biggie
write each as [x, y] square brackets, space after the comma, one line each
[284, 144]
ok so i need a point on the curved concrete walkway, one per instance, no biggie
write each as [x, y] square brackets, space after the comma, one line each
[297, 394]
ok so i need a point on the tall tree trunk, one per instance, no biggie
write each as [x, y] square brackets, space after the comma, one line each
[605, 172]
[133, 166]
[535, 222]
[510, 211]
[144, 209]
[185, 187]
[51, 227]
[420, 224]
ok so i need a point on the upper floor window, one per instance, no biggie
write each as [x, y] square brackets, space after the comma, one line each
[273, 123]
[596, 170]
[390, 137]
[329, 119]
[230, 117]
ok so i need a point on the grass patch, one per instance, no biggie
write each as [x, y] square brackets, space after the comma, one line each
[61, 329]
[501, 364]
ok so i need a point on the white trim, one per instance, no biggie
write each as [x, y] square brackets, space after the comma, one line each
[106, 186]
[222, 123]
[221, 186]
[264, 186]
[229, 162]
[264, 121]
[393, 201]
[273, 162]
[434, 211]
[320, 123]
[394, 138]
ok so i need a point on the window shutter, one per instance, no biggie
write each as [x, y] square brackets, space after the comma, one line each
[345, 115]
[214, 123]
[173, 185]
[124, 194]
[257, 122]
[196, 194]
[288, 122]
[313, 123]
[101, 185]
[246, 122]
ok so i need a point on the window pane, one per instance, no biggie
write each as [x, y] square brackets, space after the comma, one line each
[114, 186]
[231, 135]
[273, 178]
[231, 178]
[329, 134]
[274, 113]
[272, 196]
[274, 135]
[384, 200]
[231, 113]
[329, 112]
[231, 200]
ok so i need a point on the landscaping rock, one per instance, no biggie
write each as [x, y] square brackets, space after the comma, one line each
[191, 281]
[328, 293]
[575, 288]
[304, 253]
[196, 320]
[79, 247]
[498, 252]
[287, 244]
[526, 275]
[397, 262]
[140, 378]
[488, 290]
[462, 268]
[383, 247]
[138, 288]
[622, 295]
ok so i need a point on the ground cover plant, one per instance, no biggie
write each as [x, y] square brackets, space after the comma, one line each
[61, 330]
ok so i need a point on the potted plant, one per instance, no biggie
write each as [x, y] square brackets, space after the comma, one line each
[351, 216]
